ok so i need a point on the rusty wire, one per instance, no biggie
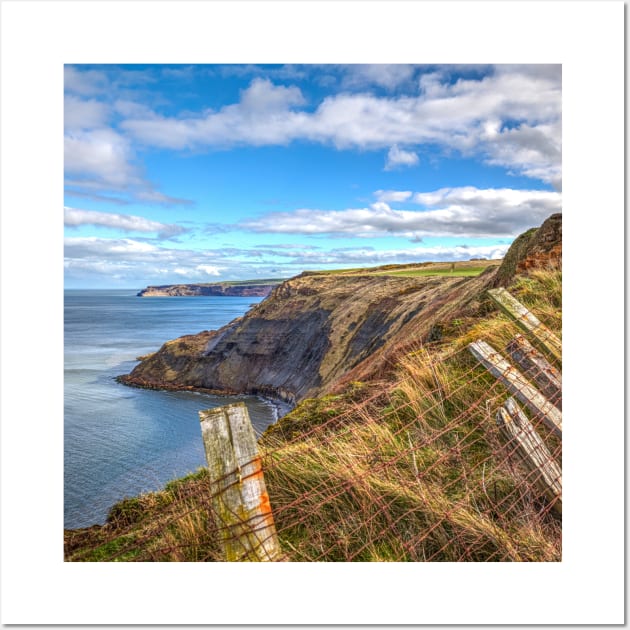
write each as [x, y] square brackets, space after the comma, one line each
[409, 480]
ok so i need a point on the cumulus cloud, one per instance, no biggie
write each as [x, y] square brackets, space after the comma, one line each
[465, 211]
[100, 155]
[263, 116]
[397, 157]
[84, 114]
[102, 159]
[74, 217]
[509, 117]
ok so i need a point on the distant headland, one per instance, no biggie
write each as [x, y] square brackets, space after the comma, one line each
[248, 288]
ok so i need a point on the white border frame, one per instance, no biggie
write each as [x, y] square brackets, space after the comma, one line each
[37, 38]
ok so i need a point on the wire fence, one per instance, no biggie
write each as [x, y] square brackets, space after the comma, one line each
[418, 470]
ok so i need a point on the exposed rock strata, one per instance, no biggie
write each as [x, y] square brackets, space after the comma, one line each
[308, 334]
[538, 248]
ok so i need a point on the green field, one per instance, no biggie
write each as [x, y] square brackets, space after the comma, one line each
[461, 269]
[456, 273]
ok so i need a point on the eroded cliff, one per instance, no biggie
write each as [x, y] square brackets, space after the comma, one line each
[311, 332]
[319, 331]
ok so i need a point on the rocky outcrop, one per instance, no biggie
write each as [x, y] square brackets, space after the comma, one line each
[538, 248]
[545, 248]
[220, 288]
[308, 335]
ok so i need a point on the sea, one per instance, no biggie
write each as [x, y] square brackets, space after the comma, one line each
[121, 441]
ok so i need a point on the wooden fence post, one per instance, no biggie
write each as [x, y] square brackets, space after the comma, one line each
[518, 430]
[239, 496]
[517, 384]
[548, 379]
[527, 321]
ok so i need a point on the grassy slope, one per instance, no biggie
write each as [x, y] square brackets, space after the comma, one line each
[453, 269]
[408, 469]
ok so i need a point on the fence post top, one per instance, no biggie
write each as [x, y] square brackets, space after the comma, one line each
[217, 411]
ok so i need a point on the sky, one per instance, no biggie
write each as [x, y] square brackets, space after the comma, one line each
[204, 173]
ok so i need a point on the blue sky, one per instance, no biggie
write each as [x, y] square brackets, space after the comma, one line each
[204, 173]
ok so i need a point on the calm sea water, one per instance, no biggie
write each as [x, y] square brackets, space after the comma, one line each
[120, 441]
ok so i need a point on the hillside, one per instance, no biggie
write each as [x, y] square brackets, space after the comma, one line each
[313, 330]
[405, 464]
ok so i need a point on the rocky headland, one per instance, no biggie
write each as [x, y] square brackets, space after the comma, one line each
[319, 331]
[249, 289]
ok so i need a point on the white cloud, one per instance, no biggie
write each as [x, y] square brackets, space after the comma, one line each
[399, 157]
[102, 159]
[210, 270]
[466, 212]
[84, 82]
[74, 217]
[92, 260]
[536, 151]
[101, 155]
[84, 114]
[98, 157]
[368, 256]
[392, 196]
[198, 272]
[152, 196]
[263, 116]
[131, 108]
[92, 246]
[183, 271]
[510, 117]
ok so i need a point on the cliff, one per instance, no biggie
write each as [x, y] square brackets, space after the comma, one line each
[253, 289]
[538, 248]
[317, 332]
[311, 332]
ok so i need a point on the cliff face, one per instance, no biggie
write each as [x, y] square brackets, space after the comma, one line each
[179, 290]
[538, 248]
[317, 332]
[310, 333]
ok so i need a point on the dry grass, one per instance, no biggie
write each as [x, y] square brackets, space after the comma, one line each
[410, 470]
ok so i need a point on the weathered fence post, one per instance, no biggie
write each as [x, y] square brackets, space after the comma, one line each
[518, 430]
[527, 321]
[241, 504]
[517, 384]
[548, 379]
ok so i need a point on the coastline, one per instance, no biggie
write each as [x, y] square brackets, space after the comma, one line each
[281, 405]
